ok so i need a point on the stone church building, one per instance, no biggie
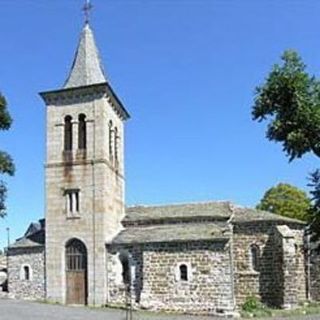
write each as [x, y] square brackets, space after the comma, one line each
[200, 258]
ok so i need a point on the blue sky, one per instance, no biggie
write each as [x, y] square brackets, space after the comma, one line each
[186, 71]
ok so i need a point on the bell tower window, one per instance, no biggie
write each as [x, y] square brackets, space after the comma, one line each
[68, 133]
[110, 141]
[116, 138]
[82, 132]
[72, 198]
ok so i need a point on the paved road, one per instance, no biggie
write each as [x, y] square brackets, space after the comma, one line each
[22, 310]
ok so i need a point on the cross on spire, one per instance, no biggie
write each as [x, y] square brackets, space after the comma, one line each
[87, 8]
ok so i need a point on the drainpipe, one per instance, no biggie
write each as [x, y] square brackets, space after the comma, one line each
[8, 244]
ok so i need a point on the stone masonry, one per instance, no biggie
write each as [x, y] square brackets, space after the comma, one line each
[33, 288]
[268, 283]
[92, 172]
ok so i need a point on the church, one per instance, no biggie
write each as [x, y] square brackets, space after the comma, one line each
[196, 258]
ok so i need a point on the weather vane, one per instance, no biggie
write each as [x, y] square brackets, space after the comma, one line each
[87, 8]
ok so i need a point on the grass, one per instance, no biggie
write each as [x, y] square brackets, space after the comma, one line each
[259, 310]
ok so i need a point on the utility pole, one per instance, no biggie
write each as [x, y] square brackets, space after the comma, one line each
[8, 243]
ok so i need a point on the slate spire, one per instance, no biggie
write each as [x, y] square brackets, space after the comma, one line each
[86, 68]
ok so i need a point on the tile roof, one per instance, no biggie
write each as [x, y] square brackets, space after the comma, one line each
[250, 215]
[219, 210]
[176, 211]
[173, 232]
[25, 243]
[34, 236]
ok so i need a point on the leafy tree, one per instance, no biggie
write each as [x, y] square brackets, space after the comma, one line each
[286, 200]
[290, 98]
[6, 163]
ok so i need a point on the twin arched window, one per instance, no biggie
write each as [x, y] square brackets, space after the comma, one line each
[82, 133]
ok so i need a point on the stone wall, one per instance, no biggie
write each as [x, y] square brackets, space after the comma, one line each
[117, 290]
[266, 283]
[314, 271]
[156, 283]
[291, 270]
[34, 288]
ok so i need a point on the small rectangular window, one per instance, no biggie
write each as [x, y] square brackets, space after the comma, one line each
[72, 198]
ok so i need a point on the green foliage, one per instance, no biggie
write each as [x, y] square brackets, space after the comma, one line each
[6, 162]
[286, 200]
[315, 211]
[251, 304]
[290, 98]
[253, 307]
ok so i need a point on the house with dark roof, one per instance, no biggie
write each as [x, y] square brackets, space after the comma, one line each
[198, 258]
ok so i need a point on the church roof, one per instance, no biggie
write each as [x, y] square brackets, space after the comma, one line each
[173, 232]
[243, 215]
[26, 243]
[178, 211]
[86, 68]
[33, 237]
[213, 210]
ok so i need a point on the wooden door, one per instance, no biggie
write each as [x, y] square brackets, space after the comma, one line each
[76, 272]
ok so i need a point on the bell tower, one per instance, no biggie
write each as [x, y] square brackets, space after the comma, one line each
[84, 178]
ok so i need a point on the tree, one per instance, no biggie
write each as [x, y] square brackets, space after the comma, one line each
[6, 163]
[290, 98]
[315, 212]
[286, 200]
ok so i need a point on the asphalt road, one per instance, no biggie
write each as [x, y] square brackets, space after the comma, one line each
[23, 310]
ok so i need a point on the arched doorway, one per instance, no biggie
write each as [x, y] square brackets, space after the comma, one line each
[125, 263]
[76, 272]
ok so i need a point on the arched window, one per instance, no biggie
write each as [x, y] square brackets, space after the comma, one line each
[25, 273]
[183, 272]
[254, 257]
[68, 133]
[110, 141]
[82, 132]
[116, 137]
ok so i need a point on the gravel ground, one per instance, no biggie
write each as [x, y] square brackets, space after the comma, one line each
[22, 310]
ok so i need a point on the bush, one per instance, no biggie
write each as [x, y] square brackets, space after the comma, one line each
[251, 304]
[253, 307]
